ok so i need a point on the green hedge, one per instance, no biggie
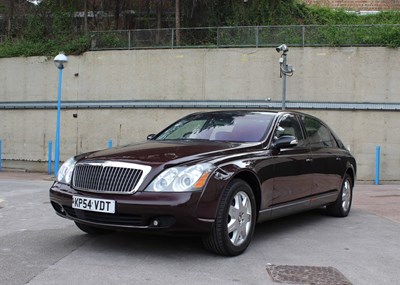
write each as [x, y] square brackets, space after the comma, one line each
[27, 47]
[41, 36]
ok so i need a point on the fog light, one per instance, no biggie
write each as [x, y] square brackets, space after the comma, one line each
[162, 222]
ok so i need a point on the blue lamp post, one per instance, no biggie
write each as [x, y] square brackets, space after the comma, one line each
[60, 61]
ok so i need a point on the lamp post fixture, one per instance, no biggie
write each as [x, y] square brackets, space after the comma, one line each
[285, 70]
[60, 61]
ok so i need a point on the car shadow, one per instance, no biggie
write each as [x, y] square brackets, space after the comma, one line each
[142, 244]
[287, 225]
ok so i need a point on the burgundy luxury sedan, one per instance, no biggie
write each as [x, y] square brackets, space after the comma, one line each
[215, 174]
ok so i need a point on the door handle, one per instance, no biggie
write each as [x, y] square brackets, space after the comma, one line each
[309, 160]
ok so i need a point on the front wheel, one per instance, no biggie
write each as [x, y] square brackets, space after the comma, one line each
[341, 207]
[234, 224]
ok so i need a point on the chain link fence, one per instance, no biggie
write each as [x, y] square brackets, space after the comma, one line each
[261, 36]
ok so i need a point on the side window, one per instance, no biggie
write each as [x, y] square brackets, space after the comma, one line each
[318, 134]
[289, 126]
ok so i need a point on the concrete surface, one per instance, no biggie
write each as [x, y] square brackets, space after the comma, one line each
[39, 248]
[322, 74]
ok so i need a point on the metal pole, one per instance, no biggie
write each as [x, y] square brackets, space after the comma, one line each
[257, 36]
[218, 39]
[172, 38]
[49, 157]
[1, 144]
[57, 150]
[283, 71]
[129, 40]
[377, 164]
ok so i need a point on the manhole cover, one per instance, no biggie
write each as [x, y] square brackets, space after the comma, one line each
[310, 275]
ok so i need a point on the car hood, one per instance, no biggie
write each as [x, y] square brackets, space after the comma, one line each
[155, 153]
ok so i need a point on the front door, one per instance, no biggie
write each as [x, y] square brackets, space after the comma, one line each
[293, 166]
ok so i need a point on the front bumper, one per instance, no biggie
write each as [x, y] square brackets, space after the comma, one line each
[142, 211]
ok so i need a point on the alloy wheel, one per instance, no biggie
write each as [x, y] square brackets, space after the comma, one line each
[239, 219]
[346, 195]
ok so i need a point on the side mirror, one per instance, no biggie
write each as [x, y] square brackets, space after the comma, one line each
[285, 142]
[150, 137]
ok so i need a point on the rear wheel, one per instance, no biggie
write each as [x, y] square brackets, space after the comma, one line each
[235, 220]
[341, 207]
[92, 230]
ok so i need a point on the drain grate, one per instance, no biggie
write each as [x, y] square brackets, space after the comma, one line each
[310, 275]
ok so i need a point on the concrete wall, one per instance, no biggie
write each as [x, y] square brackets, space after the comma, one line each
[322, 74]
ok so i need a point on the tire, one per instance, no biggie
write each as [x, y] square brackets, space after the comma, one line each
[341, 207]
[234, 224]
[92, 230]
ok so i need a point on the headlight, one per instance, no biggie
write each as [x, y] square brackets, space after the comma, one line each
[181, 179]
[65, 172]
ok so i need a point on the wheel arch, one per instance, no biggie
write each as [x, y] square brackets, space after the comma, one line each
[250, 178]
[352, 173]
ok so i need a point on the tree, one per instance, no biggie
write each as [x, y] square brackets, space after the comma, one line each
[85, 15]
[177, 22]
[159, 8]
[10, 17]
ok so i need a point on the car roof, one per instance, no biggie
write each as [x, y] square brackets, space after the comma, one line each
[249, 111]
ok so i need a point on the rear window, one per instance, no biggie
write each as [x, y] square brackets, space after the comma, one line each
[318, 134]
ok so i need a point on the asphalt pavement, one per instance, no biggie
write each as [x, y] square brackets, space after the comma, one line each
[38, 247]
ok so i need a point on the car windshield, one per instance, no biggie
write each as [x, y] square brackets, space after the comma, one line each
[235, 127]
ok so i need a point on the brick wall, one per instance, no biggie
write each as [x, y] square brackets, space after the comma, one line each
[358, 5]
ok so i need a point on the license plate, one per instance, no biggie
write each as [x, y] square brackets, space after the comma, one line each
[93, 204]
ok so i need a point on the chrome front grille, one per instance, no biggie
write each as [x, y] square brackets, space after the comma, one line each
[109, 177]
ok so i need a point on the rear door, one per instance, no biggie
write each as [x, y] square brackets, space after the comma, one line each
[326, 156]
